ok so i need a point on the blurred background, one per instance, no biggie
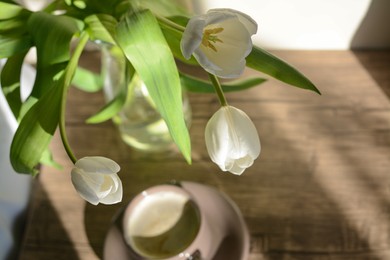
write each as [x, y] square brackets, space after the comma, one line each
[314, 24]
[305, 24]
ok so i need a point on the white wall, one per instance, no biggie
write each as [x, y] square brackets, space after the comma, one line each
[313, 24]
[14, 188]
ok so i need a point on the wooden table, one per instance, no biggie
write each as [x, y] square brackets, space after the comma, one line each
[320, 189]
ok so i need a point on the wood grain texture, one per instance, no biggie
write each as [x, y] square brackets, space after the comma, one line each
[320, 189]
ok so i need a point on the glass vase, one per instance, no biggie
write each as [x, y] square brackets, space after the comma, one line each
[140, 124]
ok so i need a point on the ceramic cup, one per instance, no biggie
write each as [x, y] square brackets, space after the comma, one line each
[165, 222]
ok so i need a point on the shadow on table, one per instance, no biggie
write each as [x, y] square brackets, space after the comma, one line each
[371, 43]
[18, 229]
[313, 193]
[377, 64]
[47, 238]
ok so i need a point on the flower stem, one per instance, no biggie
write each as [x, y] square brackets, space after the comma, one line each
[67, 79]
[168, 23]
[218, 89]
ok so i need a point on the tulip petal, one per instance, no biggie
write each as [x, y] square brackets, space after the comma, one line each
[82, 187]
[245, 161]
[116, 195]
[237, 170]
[246, 20]
[248, 136]
[105, 187]
[192, 36]
[217, 138]
[98, 164]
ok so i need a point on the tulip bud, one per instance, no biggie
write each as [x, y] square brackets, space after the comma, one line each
[96, 180]
[232, 140]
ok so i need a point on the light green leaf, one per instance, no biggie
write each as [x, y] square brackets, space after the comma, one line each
[10, 82]
[165, 7]
[35, 131]
[201, 86]
[109, 110]
[10, 45]
[102, 27]
[47, 159]
[13, 26]
[87, 80]
[265, 62]
[8, 11]
[144, 45]
[116, 104]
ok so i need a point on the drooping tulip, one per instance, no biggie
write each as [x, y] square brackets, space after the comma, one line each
[220, 40]
[232, 140]
[96, 180]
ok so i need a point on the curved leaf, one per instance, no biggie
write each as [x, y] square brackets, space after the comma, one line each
[35, 131]
[144, 45]
[52, 36]
[87, 80]
[11, 45]
[201, 86]
[14, 26]
[267, 63]
[109, 110]
[102, 27]
[40, 122]
[10, 82]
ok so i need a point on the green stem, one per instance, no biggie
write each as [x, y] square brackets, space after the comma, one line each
[69, 73]
[218, 89]
[168, 23]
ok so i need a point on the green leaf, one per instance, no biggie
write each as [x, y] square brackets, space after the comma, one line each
[144, 45]
[109, 110]
[10, 82]
[102, 27]
[201, 86]
[47, 159]
[179, 19]
[165, 7]
[8, 11]
[35, 131]
[87, 80]
[11, 45]
[116, 104]
[13, 26]
[265, 62]
[40, 121]
[52, 36]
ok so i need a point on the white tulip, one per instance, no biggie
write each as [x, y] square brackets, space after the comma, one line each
[220, 40]
[96, 180]
[232, 140]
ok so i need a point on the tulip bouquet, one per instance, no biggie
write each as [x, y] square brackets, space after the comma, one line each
[152, 37]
